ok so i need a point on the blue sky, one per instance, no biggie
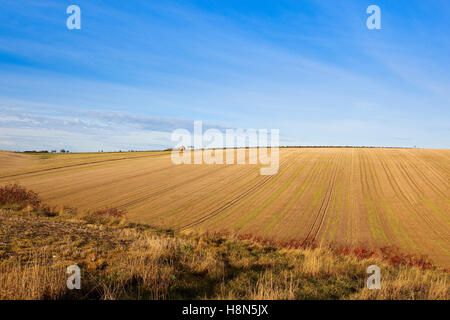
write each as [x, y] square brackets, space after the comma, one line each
[138, 70]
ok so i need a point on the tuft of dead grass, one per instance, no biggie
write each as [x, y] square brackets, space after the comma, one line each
[18, 196]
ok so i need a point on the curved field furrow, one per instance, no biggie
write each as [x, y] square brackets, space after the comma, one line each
[196, 211]
[419, 191]
[398, 231]
[412, 202]
[46, 170]
[146, 196]
[275, 194]
[425, 172]
[308, 207]
[321, 213]
[238, 206]
[188, 199]
[419, 219]
[302, 186]
[230, 203]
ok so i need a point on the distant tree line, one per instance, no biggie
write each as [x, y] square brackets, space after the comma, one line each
[46, 151]
[347, 147]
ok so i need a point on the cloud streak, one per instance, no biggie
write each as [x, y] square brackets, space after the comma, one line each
[310, 69]
[88, 130]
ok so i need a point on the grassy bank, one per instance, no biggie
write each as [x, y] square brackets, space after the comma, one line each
[122, 260]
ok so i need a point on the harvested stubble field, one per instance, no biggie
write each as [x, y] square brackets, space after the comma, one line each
[350, 196]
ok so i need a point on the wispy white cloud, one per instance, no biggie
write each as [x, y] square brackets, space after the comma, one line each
[88, 130]
[310, 69]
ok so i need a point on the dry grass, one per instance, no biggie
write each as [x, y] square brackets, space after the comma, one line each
[121, 260]
[16, 195]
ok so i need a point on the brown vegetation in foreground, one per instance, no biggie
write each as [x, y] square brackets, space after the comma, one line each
[123, 260]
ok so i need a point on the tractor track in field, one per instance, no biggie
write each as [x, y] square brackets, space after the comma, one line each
[77, 165]
[413, 187]
[390, 222]
[438, 164]
[400, 194]
[226, 206]
[375, 193]
[321, 213]
[191, 202]
[277, 192]
[374, 217]
[308, 178]
[418, 190]
[319, 178]
[173, 187]
[332, 186]
[118, 180]
[229, 203]
[426, 177]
